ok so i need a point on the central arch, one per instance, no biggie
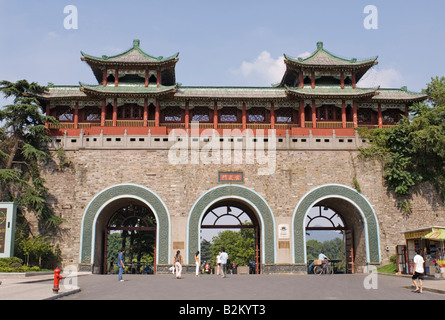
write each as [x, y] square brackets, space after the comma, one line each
[240, 194]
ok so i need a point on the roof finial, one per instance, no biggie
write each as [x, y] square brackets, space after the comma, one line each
[319, 45]
[136, 42]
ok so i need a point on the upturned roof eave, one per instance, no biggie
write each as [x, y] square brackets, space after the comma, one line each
[351, 65]
[340, 93]
[139, 91]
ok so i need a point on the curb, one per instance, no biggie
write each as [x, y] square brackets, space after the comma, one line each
[64, 294]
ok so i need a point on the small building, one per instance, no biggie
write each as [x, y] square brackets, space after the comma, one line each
[425, 240]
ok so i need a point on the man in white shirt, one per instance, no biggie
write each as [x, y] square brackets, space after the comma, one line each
[418, 271]
[224, 257]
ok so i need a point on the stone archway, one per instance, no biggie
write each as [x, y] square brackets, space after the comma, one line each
[240, 194]
[361, 215]
[108, 198]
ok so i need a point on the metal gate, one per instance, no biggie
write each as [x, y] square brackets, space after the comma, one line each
[132, 221]
[215, 216]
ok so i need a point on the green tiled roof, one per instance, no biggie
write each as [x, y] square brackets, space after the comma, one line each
[330, 92]
[323, 58]
[399, 95]
[62, 93]
[135, 55]
[231, 93]
[126, 90]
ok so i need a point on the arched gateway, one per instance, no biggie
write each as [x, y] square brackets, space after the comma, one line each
[241, 195]
[104, 205]
[355, 210]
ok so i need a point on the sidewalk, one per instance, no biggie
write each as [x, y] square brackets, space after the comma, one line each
[429, 284]
[39, 286]
[34, 286]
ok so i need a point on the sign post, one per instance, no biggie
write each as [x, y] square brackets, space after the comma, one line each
[8, 212]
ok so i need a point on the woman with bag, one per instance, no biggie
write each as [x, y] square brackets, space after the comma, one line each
[178, 264]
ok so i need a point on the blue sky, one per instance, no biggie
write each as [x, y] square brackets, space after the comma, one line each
[222, 43]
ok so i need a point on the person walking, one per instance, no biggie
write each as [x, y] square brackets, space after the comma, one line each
[218, 263]
[197, 264]
[178, 264]
[224, 257]
[418, 272]
[121, 264]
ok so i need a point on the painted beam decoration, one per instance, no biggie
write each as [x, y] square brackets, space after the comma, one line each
[8, 211]
[231, 177]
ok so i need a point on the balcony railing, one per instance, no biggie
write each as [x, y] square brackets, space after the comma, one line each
[207, 125]
[329, 124]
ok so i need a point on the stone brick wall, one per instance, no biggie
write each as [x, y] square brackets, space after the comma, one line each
[180, 186]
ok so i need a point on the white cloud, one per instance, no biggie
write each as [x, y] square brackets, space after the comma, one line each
[264, 69]
[53, 34]
[385, 78]
[304, 55]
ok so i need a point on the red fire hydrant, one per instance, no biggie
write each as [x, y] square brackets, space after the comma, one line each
[57, 277]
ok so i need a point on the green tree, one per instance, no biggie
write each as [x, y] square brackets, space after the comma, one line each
[206, 254]
[413, 151]
[331, 248]
[240, 245]
[23, 148]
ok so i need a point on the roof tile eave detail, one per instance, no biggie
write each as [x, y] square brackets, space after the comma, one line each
[322, 58]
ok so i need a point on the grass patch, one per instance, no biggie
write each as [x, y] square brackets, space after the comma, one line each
[388, 269]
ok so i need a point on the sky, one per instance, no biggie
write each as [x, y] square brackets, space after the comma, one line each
[223, 43]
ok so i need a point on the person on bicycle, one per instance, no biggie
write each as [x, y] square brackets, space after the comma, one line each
[324, 259]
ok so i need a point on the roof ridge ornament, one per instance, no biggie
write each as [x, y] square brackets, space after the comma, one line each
[319, 45]
[136, 43]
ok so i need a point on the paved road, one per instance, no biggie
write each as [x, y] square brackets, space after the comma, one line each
[251, 287]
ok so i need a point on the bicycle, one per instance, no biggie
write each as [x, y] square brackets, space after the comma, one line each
[322, 267]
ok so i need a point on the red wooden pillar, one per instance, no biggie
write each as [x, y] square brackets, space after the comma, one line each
[272, 116]
[301, 79]
[187, 115]
[313, 80]
[116, 78]
[342, 80]
[146, 78]
[76, 115]
[314, 115]
[353, 80]
[115, 112]
[354, 114]
[215, 116]
[343, 114]
[243, 118]
[158, 78]
[145, 116]
[379, 111]
[103, 113]
[105, 78]
[157, 113]
[301, 112]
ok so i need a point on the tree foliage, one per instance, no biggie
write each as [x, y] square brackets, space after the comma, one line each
[331, 248]
[23, 140]
[413, 151]
[240, 246]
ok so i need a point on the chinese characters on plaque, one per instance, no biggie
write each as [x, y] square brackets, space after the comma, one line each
[231, 177]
